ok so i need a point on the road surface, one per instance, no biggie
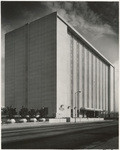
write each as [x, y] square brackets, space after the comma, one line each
[62, 136]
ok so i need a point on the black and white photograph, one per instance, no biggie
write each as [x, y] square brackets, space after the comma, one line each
[60, 75]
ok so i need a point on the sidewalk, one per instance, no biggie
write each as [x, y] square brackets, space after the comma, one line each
[110, 144]
[46, 123]
[27, 124]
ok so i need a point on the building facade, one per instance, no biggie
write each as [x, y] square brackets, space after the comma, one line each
[48, 63]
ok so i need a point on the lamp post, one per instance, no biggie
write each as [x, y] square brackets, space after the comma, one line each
[76, 103]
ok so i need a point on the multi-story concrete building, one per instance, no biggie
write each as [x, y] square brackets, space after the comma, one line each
[48, 63]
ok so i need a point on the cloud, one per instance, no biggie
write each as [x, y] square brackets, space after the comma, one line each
[81, 17]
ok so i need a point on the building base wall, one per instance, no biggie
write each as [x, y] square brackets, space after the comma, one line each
[63, 120]
[84, 119]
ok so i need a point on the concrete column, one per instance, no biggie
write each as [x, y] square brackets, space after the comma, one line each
[96, 82]
[93, 81]
[85, 77]
[100, 85]
[114, 88]
[80, 76]
[77, 65]
[74, 75]
[111, 88]
[103, 85]
[106, 88]
[71, 66]
[98, 74]
[90, 80]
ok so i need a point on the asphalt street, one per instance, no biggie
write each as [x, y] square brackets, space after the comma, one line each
[60, 136]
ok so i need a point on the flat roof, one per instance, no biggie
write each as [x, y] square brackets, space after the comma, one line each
[84, 40]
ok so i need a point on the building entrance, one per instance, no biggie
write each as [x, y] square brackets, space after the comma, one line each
[90, 113]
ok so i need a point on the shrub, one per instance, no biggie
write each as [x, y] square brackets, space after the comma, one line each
[32, 113]
[43, 112]
[23, 112]
[4, 111]
[11, 112]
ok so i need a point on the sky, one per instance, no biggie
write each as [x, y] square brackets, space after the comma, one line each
[98, 22]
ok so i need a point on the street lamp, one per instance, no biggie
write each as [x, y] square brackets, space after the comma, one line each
[76, 103]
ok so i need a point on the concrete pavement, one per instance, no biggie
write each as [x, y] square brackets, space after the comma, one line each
[46, 123]
[17, 132]
[111, 143]
[66, 136]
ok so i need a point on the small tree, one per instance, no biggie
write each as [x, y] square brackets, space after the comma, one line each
[4, 111]
[11, 112]
[32, 113]
[23, 112]
[43, 111]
